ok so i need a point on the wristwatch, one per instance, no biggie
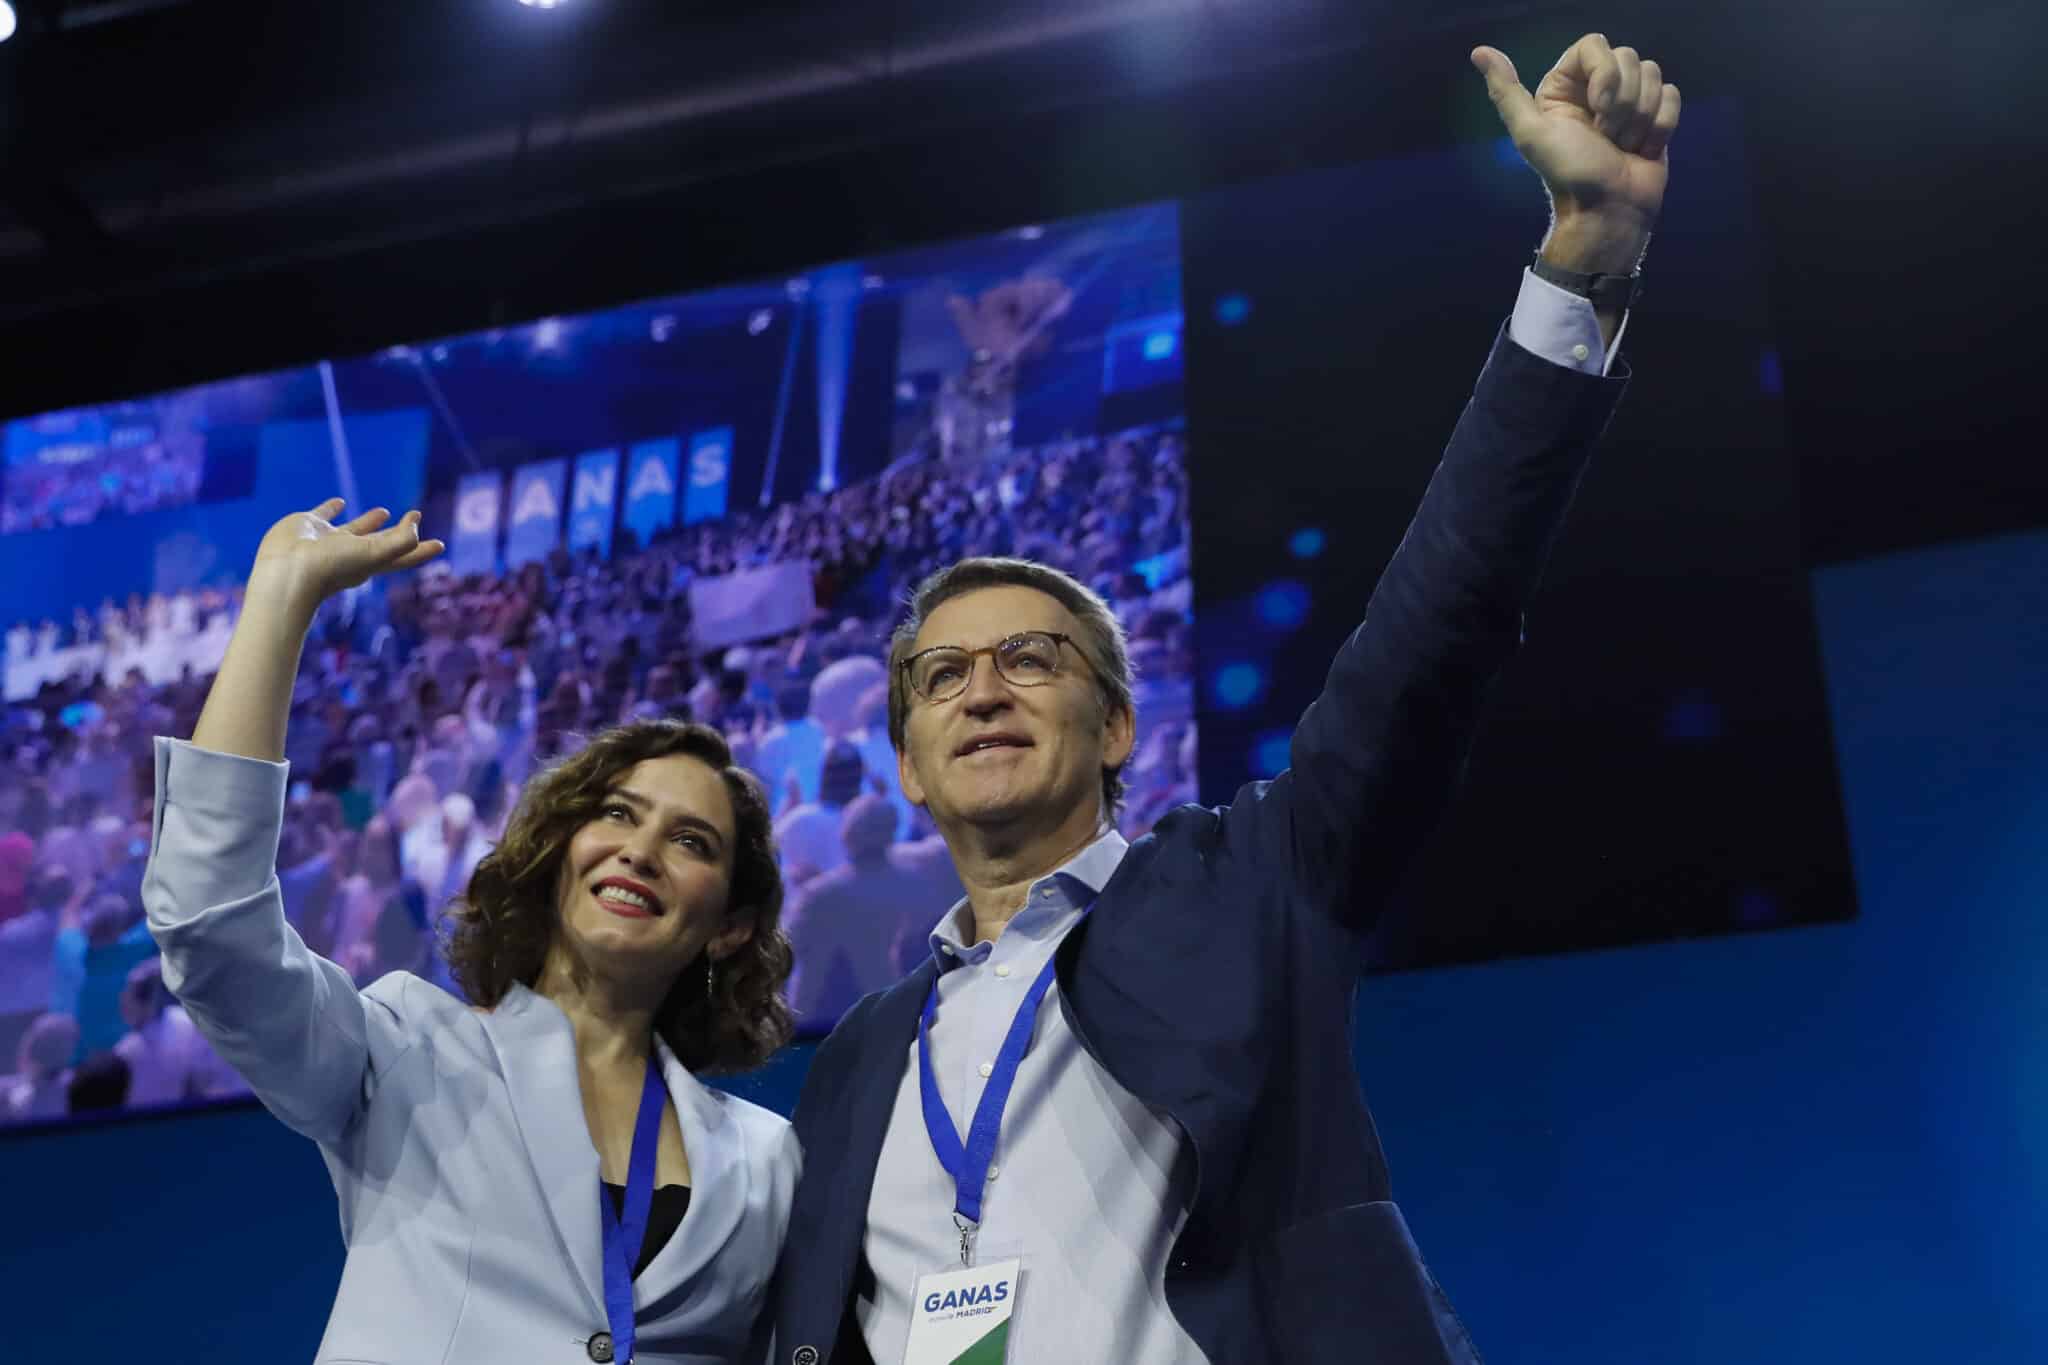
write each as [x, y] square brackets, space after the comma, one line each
[1608, 293]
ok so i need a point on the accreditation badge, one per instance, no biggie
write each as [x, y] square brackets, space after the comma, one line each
[962, 1316]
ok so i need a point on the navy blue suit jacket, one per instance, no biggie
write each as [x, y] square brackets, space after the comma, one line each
[1214, 979]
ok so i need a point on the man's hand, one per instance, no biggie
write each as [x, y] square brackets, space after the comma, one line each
[1596, 131]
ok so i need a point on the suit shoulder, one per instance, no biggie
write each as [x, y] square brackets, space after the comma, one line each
[1184, 832]
[756, 1120]
[415, 1003]
[1185, 822]
[839, 1056]
[769, 1139]
[852, 1029]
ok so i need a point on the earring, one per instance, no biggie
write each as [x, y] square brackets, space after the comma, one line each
[710, 984]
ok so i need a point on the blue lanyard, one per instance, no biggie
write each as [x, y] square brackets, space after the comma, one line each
[968, 1163]
[624, 1232]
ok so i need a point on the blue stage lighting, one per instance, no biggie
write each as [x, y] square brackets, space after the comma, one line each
[1159, 345]
[1770, 374]
[1754, 909]
[1284, 604]
[1270, 756]
[1306, 543]
[1232, 309]
[1694, 718]
[1238, 685]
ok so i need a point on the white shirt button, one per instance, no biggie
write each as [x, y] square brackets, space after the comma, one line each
[1002, 969]
[994, 1170]
[1581, 351]
[987, 1069]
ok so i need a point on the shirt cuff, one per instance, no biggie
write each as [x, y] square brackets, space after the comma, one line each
[1561, 327]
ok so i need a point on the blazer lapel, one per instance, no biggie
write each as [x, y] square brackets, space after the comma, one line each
[537, 1056]
[720, 1189]
[873, 1076]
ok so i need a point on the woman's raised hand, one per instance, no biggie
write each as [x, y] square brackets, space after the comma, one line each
[307, 558]
[304, 560]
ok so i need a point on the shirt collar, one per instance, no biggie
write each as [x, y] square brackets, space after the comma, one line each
[1052, 903]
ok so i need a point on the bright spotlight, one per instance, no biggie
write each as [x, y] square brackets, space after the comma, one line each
[6, 21]
[540, 4]
[758, 323]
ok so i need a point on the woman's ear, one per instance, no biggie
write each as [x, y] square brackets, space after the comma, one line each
[727, 942]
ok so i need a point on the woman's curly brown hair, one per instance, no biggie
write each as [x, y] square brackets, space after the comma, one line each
[500, 931]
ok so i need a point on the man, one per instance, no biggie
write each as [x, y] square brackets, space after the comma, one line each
[794, 748]
[168, 1061]
[807, 834]
[845, 923]
[1171, 1161]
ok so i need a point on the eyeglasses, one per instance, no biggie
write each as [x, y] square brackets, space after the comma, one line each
[1029, 658]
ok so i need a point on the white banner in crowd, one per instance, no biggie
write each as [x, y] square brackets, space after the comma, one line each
[160, 659]
[753, 604]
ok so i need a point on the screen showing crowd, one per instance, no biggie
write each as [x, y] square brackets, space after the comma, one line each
[710, 506]
[70, 468]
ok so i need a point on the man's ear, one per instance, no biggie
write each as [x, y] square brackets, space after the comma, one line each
[1119, 734]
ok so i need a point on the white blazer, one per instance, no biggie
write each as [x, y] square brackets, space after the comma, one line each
[455, 1137]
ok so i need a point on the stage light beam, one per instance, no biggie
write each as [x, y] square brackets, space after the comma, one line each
[7, 21]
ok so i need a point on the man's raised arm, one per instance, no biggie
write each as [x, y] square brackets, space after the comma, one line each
[1375, 758]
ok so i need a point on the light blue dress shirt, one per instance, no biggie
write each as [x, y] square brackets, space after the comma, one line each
[1089, 1185]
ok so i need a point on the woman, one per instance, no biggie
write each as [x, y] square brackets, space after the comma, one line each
[497, 1162]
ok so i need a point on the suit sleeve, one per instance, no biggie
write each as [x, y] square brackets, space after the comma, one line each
[289, 1021]
[1375, 757]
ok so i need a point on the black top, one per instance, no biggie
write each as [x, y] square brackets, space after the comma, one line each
[664, 1216]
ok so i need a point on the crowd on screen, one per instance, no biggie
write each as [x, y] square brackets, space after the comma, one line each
[420, 710]
[38, 496]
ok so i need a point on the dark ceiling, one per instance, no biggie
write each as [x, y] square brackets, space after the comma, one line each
[194, 188]
[163, 140]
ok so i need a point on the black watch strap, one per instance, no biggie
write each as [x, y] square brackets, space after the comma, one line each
[1608, 293]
